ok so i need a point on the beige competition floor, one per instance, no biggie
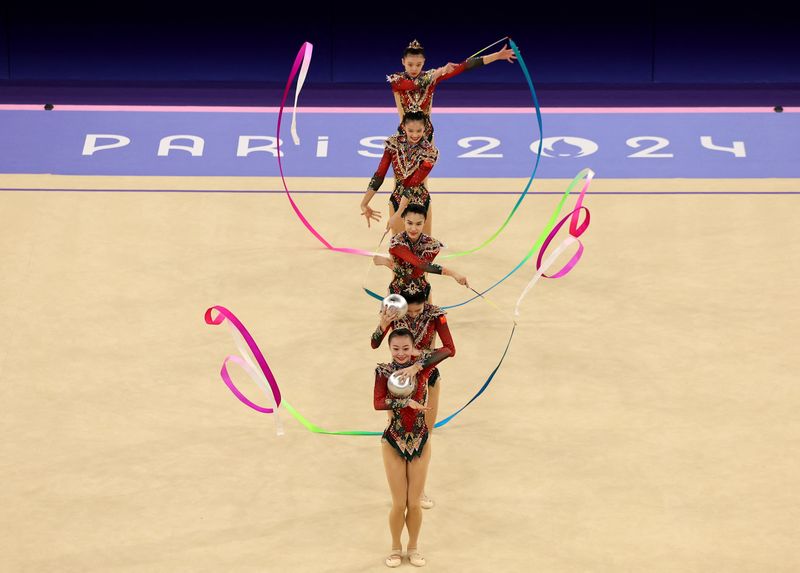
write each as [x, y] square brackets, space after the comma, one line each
[645, 420]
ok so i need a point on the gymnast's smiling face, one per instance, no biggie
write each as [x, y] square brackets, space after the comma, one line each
[414, 130]
[413, 64]
[414, 223]
[402, 348]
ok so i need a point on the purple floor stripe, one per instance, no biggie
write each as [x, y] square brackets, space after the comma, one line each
[434, 193]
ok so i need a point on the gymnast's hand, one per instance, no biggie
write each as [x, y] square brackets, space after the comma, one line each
[506, 54]
[460, 279]
[409, 371]
[381, 261]
[387, 316]
[414, 405]
[370, 214]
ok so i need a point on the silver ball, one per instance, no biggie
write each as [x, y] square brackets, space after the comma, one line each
[401, 386]
[398, 302]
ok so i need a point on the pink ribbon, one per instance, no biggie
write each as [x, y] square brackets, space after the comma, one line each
[575, 231]
[301, 63]
[224, 313]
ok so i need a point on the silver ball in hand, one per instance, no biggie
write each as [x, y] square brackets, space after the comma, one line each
[401, 386]
[396, 301]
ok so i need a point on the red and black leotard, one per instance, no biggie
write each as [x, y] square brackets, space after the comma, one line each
[416, 94]
[411, 163]
[425, 326]
[411, 260]
[407, 431]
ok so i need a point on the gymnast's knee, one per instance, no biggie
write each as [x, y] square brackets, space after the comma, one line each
[413, 504]
[399, 506]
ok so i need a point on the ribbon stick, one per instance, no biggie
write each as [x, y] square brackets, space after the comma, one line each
[489, 46]
[493, 305]
[369, 268]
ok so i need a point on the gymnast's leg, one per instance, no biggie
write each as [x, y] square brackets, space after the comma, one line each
[430, 420]
[395, 467]
[417, 473]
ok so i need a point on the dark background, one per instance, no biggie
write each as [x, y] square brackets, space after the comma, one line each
[630, 42]
[568, 44]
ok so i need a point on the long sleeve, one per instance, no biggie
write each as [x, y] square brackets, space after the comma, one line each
[404, 253]
[467, 64]
[377, 179]
[382, 399]
[419, 175]
[420, 393]
[377, 336]
[444, 334]
[433, 357]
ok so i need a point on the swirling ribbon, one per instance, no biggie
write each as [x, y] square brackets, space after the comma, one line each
[262, 373]
[301, 63]
[300, 81]
[543, 235]
[575, 230]
[300, 66]
[522, 195]
[223, 314]
[542, 242]
[266, 373]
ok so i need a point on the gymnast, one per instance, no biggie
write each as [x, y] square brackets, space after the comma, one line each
[413, 88]
[425, 321]
[405, 457]
[411, 256]
[412, 157]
